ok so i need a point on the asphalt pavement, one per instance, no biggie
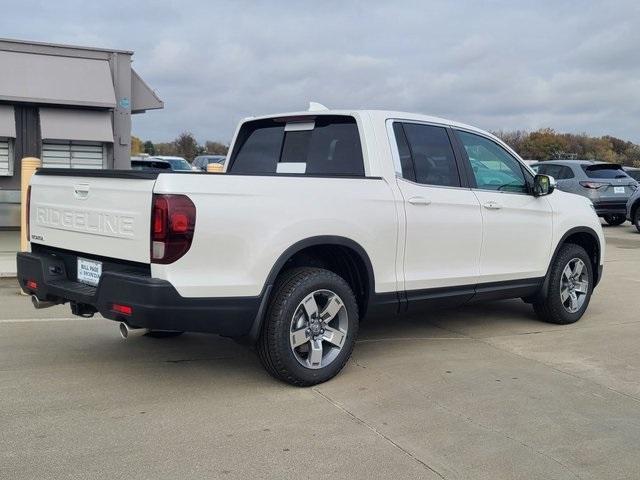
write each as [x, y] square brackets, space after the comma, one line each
[482, 392]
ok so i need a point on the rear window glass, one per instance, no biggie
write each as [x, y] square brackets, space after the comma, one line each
[606, 172]
[332, 147]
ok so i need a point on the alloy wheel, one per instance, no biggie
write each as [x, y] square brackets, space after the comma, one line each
[318, 329]
[574, 285]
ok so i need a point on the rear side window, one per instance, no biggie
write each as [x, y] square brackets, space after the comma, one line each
[259, 147]
[559, 172]
[433, 160]
[605, 171]
[327, 145]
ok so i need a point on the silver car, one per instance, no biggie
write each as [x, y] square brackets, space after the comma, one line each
[607, 185]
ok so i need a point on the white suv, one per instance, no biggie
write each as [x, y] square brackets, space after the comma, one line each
[321, 219]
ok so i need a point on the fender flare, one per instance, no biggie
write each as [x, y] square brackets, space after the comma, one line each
[592, 233]
[300, 245]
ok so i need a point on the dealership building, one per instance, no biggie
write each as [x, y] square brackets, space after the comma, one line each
[67, 105]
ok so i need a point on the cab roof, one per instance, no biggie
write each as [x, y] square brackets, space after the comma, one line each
[378, 115]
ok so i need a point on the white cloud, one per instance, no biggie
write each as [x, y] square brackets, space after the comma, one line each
[570, 65]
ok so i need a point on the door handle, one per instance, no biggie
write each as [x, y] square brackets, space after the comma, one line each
[81, 191]
[419, 201]
[491, 205]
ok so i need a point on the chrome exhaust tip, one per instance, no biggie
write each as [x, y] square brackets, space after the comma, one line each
[37, 303]
[127, 331]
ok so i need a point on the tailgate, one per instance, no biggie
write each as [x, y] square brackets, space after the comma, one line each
[102, 213]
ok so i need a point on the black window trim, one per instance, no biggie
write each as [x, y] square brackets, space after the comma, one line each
[528, 177]
[366, 162]
[457, 153]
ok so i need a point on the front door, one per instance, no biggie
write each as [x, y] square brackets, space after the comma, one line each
[517, 227]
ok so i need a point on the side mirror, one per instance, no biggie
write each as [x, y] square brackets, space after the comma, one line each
[543, 185]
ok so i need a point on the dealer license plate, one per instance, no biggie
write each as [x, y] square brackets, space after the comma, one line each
[89, 271]
[618, 189]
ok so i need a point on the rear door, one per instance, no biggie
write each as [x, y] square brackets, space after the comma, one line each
[443, 219]
[104, 214]
[517, 227]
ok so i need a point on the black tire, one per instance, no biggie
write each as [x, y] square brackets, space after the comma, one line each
[615, 220]
[548, 304]
[162, 334]
[273, 346]
[636, 219]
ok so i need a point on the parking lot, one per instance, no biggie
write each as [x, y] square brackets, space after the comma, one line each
[482, 392]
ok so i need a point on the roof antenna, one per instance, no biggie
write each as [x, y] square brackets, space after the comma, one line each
[316, 107]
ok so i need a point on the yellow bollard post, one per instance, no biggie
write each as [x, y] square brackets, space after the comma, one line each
[215, 167]
[29, 166]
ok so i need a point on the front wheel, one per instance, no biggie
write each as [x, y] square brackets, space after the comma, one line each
[310, 328]
[569, 287]
[615, 220]
[636, 219]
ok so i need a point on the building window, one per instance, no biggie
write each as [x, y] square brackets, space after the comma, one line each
[69, 154]
[6, 157]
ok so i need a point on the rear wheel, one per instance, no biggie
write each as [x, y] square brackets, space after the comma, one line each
[615, 220]
[569, 287]
[636, 219]
[310, 328]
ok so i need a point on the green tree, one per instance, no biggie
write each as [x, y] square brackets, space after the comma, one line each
[166, 148]
[215, 148]
[187, 146]
[149, 148]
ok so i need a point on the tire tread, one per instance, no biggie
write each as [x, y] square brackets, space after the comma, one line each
[275, 320]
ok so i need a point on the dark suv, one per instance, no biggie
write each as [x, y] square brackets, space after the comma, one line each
[607, 185]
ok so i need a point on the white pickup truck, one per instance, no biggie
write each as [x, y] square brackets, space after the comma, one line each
[321, 218]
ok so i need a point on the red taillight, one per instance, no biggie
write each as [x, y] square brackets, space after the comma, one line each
[28, 208]
[593, 185]
[173, 221]
[123, 309]
[32, 284]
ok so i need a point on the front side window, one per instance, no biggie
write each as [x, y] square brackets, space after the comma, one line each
[493, 167]
[326, 145]
[426, 154]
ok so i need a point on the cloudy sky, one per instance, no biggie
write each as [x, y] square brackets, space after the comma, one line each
[570, 65]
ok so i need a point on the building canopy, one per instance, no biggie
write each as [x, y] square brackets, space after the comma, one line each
[56, 80]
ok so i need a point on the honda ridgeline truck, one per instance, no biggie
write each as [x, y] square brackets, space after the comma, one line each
[320, 219]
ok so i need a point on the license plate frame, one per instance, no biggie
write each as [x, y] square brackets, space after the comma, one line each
[618, 190]
[89, 271]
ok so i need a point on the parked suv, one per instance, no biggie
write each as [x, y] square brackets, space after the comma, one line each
[607, 185]
[322, 219]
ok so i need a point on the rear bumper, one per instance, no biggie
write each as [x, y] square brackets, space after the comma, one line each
[611, 207]
[155, 303]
